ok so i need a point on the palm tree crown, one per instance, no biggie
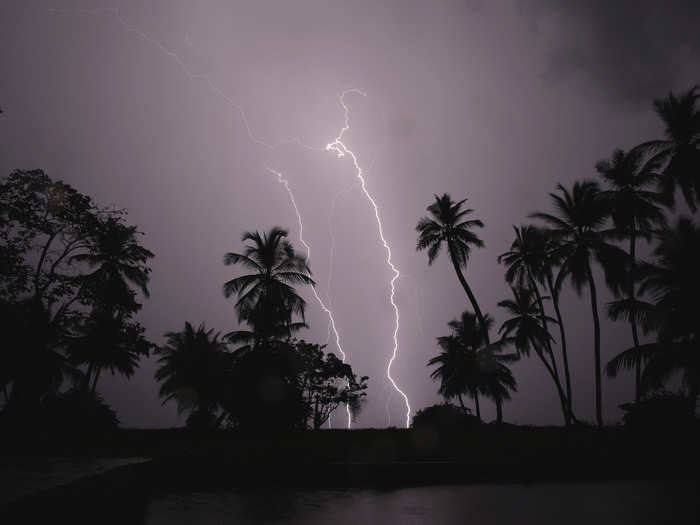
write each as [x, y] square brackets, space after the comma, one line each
[448, 225]
[192, 369]
[267, 299]
[680, 150]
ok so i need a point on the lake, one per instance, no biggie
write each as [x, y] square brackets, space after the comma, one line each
[585, 503]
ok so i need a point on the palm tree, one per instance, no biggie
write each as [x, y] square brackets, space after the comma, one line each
[107, 341]
[467, 365]
[453, 372]
[680, 150]
[448, 226]
[267, 299]
[119, 261]
[674, 283]
[636, 212]
[525, 330]
[577, 232]
[109, 338]
[529, 262]
[192, 371]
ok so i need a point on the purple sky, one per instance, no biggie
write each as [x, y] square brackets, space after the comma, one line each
[494, 101]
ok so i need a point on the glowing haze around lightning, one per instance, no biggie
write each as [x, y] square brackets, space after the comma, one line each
[339, 147]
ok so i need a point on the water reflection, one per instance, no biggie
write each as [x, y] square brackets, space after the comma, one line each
[544, 504]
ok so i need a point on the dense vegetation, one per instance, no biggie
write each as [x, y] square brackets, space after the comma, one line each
[595, 223]
[72, 275]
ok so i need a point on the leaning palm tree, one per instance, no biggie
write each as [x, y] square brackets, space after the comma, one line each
[525, 330]
[636, 212]
[267, 300]
[680, 149]
[673, 281]
[192, 372]
[580, 239]
[530, 263]
[447, 225]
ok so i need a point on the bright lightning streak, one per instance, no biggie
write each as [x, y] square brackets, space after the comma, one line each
[331, 320]
[342, 150]
[337, 145]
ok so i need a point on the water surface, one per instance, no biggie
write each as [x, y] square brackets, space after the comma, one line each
[599, 503]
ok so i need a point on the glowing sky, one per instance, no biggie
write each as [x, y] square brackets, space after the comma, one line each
[497, 103]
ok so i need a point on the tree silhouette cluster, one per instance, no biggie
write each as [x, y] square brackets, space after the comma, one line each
[69, 275]
[270, 380]
[596, 224]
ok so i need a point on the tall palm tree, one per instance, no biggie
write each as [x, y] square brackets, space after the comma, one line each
[680, 149]
[525, 330]
[530, 262]
[267, 300]
[636, 212]
[192, 367]
[673, 281]
[108, 338]
[447, 225]
[580, 239]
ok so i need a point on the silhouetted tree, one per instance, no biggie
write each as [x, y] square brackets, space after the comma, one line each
[673, 281]
[636, 212]
[327, 382]
[468, 365]
[579, 239]
[267, 300]
[109, 337]
[679, 151]
[525, 331]
[194, 367]
[447, 225]
[530, 262]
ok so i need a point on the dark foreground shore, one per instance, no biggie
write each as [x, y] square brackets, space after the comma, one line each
[186, 462]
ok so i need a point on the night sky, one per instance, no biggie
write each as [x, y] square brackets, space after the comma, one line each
[493, 101]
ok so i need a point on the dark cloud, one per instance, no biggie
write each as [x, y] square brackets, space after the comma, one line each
[633, 49]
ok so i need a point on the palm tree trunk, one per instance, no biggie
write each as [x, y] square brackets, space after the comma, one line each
[562, 335]
[633, 317]
[596, 349]
[476, 406]
[535, 288]
[461, 403]
[482, 322]
[97, 376]
[472, 299]
[88, 374]
[557, 382]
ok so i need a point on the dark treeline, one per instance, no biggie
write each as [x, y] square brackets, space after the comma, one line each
[72, 274]
[595, 223]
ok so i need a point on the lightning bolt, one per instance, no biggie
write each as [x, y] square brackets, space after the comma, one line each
[339, 147]
[331, 320]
